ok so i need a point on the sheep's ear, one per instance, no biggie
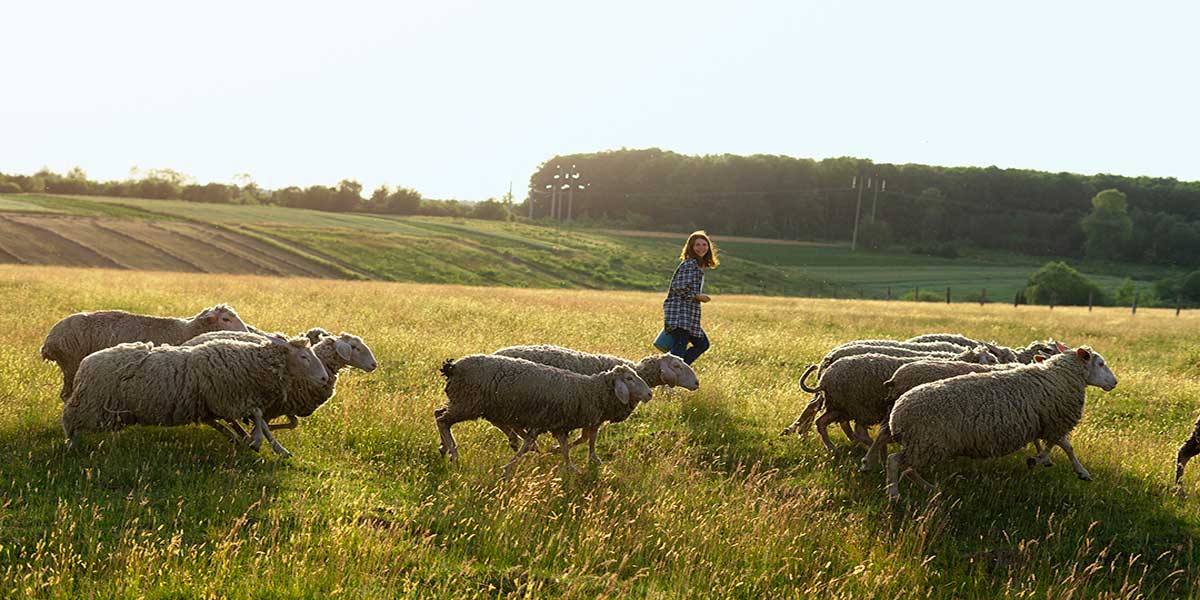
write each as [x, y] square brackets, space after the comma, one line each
[1061, 348]
[1037, 358]
[621, 390]
[667, 369]
[343, 349]
[278, 341]
[1084, 355]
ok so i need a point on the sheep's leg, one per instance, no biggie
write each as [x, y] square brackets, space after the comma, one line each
[1042, 457]
[822, 427]
[256, 438]
[845, 425]
[862, 435]
[877, 450]
[893, 476]
[584, 437]
[443, 424]
[1189, 449]
[215, 424]
[260, 424]
[292, 423]
[591, 433]
[514, 439]
[525, 446]
[562, 438]
[1065, 444]
[912, 472]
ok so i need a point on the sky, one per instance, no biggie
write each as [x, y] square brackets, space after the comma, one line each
[458, 99]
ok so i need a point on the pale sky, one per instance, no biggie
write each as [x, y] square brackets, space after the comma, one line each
[456, 98]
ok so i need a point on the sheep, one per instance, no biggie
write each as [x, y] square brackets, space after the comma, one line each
[534, 398]
[656, 370]
[846, 350]
[1006, 355]
[910, 376]
[982, 415]
[139, 383]
[81, 334]
[1189, 448]
[851, 389]
[335, 354]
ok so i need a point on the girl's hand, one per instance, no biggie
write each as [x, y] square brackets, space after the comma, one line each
[702, 298]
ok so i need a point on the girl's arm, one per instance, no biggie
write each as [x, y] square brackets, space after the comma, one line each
[686, 282]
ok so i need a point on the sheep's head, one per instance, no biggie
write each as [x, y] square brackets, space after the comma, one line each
[301, 362]
[221, 317]
[978, 354]
[355, 352]
[986, 355]
[315, 335]
[628, 386]
[1098, 373]
[675, 372]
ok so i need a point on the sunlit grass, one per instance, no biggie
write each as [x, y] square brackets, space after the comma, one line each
[697, 497]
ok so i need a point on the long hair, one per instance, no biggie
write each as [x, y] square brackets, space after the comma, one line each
[708, 261]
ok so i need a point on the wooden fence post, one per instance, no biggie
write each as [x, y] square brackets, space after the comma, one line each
[917, 294]
[947, 294]
[889, 292]
[1089, 300]
[1178, 304]
[1135, 299]
[983, 297]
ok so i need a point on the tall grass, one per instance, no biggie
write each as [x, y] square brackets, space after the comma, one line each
[697, 497]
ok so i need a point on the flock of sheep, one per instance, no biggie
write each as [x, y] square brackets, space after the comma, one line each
[123, 369]
[937, 396]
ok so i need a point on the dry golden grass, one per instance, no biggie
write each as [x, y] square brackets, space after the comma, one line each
[698, 497]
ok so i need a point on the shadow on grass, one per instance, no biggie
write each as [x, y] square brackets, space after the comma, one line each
[116, 485]
[993, 515]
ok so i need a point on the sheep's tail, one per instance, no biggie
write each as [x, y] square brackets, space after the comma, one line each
[447, 368]
[803, 377]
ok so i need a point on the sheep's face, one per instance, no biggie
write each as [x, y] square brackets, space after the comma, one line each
[356, 353]
[986, 356]
[676, 372]
[629, 387]
[301, 362]
[222, 318]
[1098, 373]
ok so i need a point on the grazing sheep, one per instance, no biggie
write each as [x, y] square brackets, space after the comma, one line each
[304, 397]
[984, 415]
[139, 383]
[1190, 448]
[852, 389]
[81, 334]
[656, 370]
[534, 398]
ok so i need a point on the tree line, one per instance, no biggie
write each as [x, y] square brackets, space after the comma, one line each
[168, 184]
[930, 209]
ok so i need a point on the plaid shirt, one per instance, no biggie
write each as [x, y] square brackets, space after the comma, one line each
[680, 309]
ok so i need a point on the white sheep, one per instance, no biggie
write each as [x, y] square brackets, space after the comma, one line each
[534, 398]
[304, 397]
[984, 415]
[852, 389]
[656, 370]
[138, 383]
[81, 334]
[1005, 354]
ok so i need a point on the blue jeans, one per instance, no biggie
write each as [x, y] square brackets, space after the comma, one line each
[682, 338]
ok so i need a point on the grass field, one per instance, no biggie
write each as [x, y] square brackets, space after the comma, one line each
[697, 497]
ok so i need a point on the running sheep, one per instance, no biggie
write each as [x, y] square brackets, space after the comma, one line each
[983, 415]
[889, 348]
[656, 370]
[76, 336]
[304, 397]
[910, 376]
[534, 398]
[1005, 354]
[852, 389]
[140, 384]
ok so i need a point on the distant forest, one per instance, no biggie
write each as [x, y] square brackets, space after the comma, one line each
[927, 208]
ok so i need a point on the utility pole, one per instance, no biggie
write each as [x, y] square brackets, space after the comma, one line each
[857, 211]
[881, 187]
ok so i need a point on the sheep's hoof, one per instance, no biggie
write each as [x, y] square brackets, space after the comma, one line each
[72, 444]
[595, 460]
[1030, 462]
[1085, 476]
[281, 451]
[442, 449]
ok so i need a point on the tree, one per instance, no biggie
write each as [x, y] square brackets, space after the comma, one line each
[1058, 283]
[933, 214]
[1108, 227]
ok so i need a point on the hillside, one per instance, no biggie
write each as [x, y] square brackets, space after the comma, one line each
[171, 235]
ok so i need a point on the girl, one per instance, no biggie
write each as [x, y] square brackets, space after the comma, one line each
[681, 309]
